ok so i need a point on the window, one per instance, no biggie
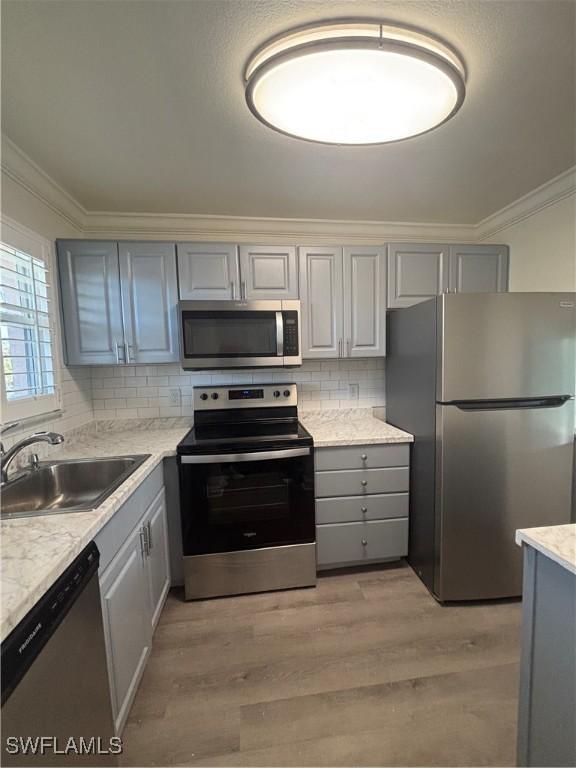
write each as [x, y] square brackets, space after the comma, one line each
[29, 385]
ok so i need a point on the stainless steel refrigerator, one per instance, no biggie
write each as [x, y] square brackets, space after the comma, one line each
[485, 383]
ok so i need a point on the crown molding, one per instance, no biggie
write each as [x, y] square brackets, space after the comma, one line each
[554, 190]
[106, 224]
[234, 228]
[24, 171]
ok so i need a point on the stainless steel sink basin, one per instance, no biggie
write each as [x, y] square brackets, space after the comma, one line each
[73, 485]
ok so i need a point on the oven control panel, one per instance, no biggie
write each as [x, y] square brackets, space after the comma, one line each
[257, 396]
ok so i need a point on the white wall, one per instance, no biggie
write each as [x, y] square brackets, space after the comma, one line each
[31, 212]
[543, 248]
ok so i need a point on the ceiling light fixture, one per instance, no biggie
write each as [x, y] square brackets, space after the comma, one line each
[354, 82]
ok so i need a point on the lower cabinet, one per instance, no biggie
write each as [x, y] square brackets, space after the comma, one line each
[158, 558]
[134, 583]
[361, 504]
[127, 627]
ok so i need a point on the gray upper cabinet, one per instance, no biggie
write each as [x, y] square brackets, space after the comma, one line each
[416, 272]
[119, 302]
[321, 299]
[93, 332]
[268, 272]
[478, 268]
[364, 290]
[149, 302]
[208, 271]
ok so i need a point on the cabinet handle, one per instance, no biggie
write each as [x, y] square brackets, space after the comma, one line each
[339, 347]
[363, 510]
[118, 348]
[130, 355]
[364, 457]
[348, 346]
[146, 530]
[364, 543]
[364, 483]
[243, 291]
[150, 541]
[233, 289]
[143, 547]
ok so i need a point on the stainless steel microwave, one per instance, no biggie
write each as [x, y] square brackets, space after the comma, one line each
[240, 334]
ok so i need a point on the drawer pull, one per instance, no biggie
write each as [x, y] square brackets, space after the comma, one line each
[364, 543]
[364, 457]
[364, 483]
[363, 510]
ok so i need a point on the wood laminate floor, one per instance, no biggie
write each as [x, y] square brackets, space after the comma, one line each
[365, 669]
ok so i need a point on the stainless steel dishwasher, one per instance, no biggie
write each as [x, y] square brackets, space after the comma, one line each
[55, 678]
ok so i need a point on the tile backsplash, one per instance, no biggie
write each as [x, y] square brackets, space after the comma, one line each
[151, 391]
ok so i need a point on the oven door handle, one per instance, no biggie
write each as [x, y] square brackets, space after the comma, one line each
[225, 458]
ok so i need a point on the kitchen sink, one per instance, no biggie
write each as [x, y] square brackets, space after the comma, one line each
[71, 485]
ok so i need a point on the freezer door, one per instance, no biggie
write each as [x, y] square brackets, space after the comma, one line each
[497, 471]
[505, 345]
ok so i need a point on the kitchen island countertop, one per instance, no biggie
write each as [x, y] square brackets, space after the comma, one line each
[558, 542]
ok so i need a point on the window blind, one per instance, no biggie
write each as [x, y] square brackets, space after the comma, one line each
[25, 328]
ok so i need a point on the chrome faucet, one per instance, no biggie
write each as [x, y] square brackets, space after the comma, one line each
[6, 457]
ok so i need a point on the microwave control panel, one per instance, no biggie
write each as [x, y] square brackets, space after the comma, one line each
[290, 334]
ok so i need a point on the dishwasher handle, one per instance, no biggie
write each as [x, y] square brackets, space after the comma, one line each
[28, 638]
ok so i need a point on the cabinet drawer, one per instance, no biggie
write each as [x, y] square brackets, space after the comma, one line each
[348, 543]
[350, 509]
[356, 482]
[362, 457]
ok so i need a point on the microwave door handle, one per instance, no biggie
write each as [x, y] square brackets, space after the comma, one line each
[227, 458]
[279, 334]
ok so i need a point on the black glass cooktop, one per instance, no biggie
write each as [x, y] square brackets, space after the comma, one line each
[236, 437]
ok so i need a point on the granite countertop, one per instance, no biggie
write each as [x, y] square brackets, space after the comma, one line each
[36, 550]
[558, 542]
[350, 427]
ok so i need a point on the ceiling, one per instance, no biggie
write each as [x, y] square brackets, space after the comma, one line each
[139, 106]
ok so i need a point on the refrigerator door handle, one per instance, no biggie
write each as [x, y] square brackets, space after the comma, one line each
[510, 403]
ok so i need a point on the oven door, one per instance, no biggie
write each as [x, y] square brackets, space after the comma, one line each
[246, 501]
[229, 334]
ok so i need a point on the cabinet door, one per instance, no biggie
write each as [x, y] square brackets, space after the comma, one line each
[416, 272]
[157, 562]
[208, 271]
[150, 302]
[90, 298]
[322, 304]
[365, 301]
[268, 272]
[479, 268]
[126, 612]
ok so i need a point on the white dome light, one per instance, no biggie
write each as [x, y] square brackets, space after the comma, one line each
[354, 83]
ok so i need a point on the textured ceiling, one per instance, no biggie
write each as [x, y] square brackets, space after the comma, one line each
[139, 106]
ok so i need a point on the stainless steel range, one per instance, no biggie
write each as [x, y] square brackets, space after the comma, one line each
[247, 493]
